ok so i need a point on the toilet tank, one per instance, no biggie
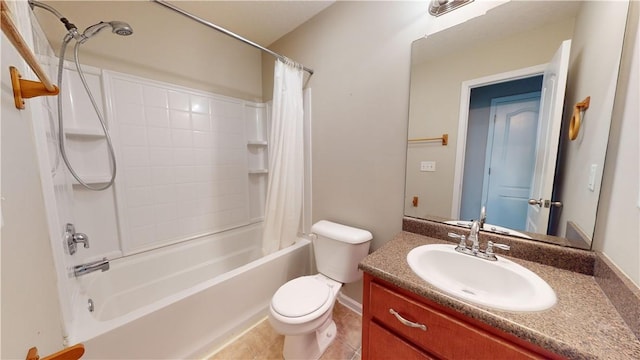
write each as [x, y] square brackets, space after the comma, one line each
[338, 250]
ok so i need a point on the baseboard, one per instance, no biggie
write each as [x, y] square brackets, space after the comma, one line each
[350, 303]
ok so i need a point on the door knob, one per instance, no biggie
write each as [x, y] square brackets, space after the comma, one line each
[546, 203]
[557, 204]
[535, 202]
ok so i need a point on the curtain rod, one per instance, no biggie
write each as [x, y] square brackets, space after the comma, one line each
[225, 31]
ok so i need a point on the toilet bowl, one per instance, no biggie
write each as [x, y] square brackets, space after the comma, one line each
[302, 311]
[302, 308]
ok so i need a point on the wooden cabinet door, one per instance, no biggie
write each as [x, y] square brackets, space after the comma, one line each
[392, 312]
[385, 345]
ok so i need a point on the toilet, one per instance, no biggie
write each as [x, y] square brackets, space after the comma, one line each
[302, 308]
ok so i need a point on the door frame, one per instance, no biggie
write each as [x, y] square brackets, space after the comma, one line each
[463, 118]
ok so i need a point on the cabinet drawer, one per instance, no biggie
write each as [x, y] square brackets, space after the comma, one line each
[444, 336]
[385, 345]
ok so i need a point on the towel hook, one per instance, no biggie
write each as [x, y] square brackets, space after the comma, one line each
[574, 126]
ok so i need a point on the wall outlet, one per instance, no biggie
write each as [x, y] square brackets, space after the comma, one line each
[592, 177]
[427, 166]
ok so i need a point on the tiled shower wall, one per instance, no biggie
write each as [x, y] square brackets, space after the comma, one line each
[184, 159]
[189, 163]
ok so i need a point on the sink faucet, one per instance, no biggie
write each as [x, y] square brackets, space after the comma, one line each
[487, 254]
[90, 267]
[483, 216]
[473, 236]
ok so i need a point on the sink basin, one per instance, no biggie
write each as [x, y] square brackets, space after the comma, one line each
[502, 284]
[489, 227]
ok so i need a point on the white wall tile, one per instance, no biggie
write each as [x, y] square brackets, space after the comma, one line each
[188, 209]
[127, 92]
[133, 135]
[201, 122]
[199, 104]
[164, 213]
[157, 117]
[155, 96]
[139, 196]
[129, 114]
[164, 194]
[226, 125]
[159, 136]
[202, 139]
[163, 175]
[185, 174]
[184, 157]
[180, 119]
[140, 216]
[203, 157]
[187, 192]
[178, 101]
[137, 176]
[226, 108]
[168, 231]
[203, 173]
[142, 236]
[181, 138]
[135, 156]
[161, 156]
[190, 175]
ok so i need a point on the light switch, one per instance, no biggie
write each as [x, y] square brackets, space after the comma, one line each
[428, 166]
[592, 177]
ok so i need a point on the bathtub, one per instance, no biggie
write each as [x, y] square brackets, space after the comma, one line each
[183, 301]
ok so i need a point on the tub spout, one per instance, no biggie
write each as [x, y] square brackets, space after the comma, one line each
[90, 267]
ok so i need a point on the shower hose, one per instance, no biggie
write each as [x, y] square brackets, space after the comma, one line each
[61, 135]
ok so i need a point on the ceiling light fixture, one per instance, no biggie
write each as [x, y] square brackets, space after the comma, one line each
[440, 7]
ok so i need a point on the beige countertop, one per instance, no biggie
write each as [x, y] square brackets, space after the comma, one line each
[582, 325]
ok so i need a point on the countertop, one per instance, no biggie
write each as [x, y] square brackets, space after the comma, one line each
[582, 325]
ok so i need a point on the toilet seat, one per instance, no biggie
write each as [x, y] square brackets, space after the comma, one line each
[300, 297]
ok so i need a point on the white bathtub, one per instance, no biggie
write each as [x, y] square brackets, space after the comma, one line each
[182, 301]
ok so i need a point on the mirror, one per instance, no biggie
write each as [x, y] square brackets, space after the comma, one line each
[492, 67]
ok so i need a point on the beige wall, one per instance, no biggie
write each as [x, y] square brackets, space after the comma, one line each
[435, 106]
[30, 310]
[617, 225]
[593, 71]
[165, 46]
[360, 52]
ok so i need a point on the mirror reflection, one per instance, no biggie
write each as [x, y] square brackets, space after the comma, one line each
[501, 90]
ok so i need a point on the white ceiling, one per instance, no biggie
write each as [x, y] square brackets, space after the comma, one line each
[262, 22]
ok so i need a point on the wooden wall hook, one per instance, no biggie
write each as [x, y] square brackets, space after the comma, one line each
[25, 89]
[574, 126]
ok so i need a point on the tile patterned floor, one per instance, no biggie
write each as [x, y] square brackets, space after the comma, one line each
[262, 343]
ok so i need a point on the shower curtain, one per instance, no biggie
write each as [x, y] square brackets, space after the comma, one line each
[286, 163]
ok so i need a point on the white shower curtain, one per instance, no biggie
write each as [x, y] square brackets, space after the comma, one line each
[286, 165]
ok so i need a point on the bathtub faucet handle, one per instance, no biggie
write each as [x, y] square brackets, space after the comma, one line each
[73, 239]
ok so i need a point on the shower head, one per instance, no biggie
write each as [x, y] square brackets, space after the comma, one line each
[117, 27]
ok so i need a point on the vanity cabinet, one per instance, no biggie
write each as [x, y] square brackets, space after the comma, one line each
[398, 324]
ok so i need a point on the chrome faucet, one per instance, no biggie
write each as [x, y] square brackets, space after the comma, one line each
[90, 267]
[473, 236]
[74, 238]
[487, 254]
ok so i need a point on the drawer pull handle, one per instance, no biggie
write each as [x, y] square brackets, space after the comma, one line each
[407, 322]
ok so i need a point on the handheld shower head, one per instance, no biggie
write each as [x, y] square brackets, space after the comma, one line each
[117, 27]
[121, 28]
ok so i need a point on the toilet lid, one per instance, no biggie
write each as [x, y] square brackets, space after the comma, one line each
[300, 297]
